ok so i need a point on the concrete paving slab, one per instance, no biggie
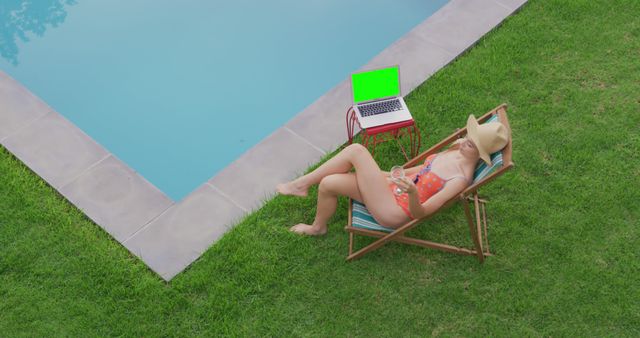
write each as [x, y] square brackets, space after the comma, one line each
[116, 197]
[460, 23]
[253, 177]
[180, 235]
[18, 107]
[323, 122]
[55, 148]
[512, 4]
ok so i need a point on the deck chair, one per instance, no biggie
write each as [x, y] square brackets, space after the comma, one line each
[362, 223]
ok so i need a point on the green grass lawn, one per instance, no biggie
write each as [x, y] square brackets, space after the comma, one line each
[563, 223]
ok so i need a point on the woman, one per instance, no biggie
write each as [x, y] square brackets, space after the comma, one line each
[424, 189]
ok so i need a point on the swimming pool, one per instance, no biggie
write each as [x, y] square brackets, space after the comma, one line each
[178, 90]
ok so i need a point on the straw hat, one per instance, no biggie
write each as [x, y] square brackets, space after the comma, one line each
[488, 137]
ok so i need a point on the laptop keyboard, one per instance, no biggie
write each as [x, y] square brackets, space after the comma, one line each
[379, 107]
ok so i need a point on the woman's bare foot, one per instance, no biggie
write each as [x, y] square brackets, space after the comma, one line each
[292, 188]
[307, 230]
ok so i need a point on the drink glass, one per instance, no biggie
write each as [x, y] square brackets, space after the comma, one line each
[397, 173]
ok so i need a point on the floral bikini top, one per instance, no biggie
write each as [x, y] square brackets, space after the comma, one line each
[427, 182]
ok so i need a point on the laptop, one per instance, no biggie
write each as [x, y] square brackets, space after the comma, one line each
[376, 97]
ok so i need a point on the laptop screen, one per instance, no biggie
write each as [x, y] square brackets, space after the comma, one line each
[375, 84]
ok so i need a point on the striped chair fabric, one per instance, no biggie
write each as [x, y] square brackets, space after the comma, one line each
[361, 217]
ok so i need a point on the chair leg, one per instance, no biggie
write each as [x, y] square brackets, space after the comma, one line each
[477, 207]
[486, 233]
[473, 228]
[378, 243]
[350, 243]
[481, 200]
[382, 240]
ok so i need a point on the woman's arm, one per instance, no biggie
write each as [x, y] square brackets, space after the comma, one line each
[451, 189]
[412, 170]
[407, 172]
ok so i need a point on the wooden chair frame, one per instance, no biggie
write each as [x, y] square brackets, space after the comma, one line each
[477, 224]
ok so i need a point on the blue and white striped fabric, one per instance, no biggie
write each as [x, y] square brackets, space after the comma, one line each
[361, 218]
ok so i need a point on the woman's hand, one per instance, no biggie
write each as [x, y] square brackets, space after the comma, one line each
[406, 185]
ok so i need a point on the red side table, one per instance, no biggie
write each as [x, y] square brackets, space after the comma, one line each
[387, 132]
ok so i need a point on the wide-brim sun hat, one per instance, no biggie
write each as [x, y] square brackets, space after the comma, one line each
[488, 137]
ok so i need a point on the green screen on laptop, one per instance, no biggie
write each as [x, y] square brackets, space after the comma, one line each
[375, 84]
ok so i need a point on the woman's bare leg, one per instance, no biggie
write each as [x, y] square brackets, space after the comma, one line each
[372, 186]
[330, 188]
[339, 164]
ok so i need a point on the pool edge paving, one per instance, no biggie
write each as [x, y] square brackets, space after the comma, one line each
[55, 148]
[252, 178]
[169, 236]
[199, 224]
[116, 197]
[18, 106]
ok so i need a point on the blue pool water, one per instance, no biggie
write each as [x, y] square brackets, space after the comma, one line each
[161, 83]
